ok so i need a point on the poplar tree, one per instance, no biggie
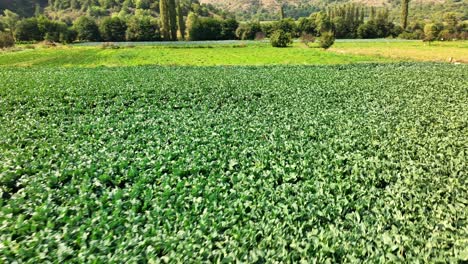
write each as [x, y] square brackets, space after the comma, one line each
[180, 21]
[173, 19]
[404, 13]
[164, 13]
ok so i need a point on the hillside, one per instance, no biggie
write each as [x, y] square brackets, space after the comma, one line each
[72, 9]
[246, 5]
[243, 9]
[269, 9]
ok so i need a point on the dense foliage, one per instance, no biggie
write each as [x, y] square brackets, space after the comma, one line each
[277, 164]
[327, 39]
[280, 39]
[113, 29]
[6, 40]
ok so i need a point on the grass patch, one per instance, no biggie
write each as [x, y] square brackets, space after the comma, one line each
[194, 55]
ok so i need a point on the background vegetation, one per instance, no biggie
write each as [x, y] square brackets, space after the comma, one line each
[148, 20]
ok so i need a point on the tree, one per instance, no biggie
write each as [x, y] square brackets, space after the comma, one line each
[142, 4]
[228, 28]
[306, 25]
[248, 30]
[52, 29]
[205, 28]
[164, 14]
[282, 12]
[323, 23]
[286, 25]
[142, 29]
[172, 19]
[28, 30]
[86, 29]
[10, 19]
[327, 40]
[431, 31]
[113, 29]
[192, 20]
[68, 35]
[404, 13]
[280, 39]
[180, 21]
[451, 22]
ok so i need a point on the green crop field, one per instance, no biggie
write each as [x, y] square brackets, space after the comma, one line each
[327, 164]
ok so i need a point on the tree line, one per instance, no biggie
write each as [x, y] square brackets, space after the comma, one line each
[177, 21]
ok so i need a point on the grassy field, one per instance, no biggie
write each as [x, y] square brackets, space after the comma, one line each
[332, 164]
[407, 50]
[236, 53]
[196, 56]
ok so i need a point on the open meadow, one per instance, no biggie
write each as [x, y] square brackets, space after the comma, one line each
[341, 163]
[234, 53]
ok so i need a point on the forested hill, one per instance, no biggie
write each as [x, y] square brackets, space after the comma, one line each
[243, 9]
[98, 8]
[24, 8]
[269, 9]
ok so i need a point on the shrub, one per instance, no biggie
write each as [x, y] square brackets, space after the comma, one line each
[6, 40]
[417, 34]
[327, 40]
[463, 35]
[447, 35]
[29, 46]
[260, 36]
[307, 38]
[109, 45]
[280, 39]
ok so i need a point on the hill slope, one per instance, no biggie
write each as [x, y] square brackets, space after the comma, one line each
[269, 9]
